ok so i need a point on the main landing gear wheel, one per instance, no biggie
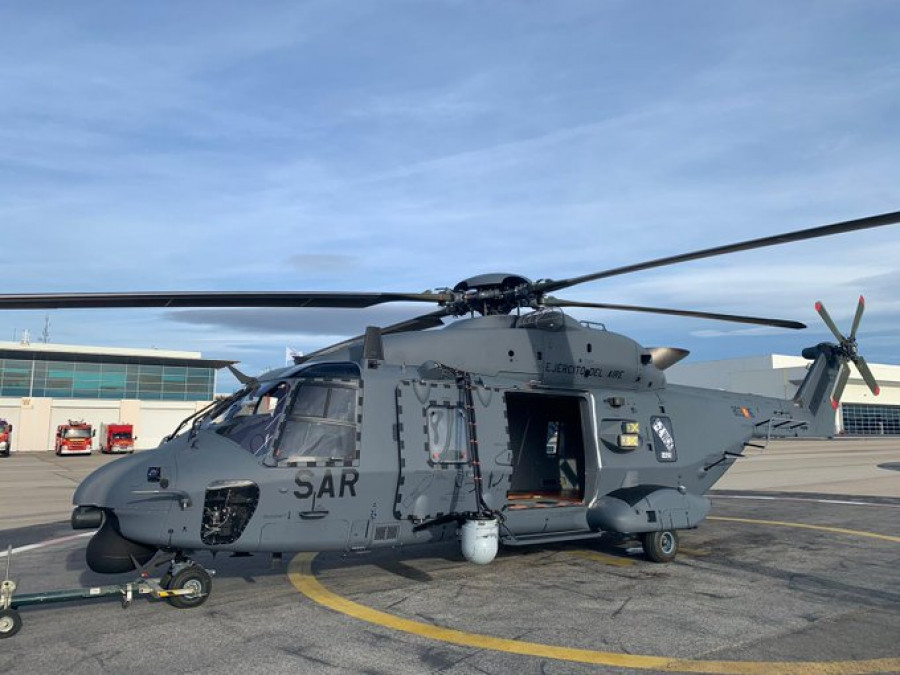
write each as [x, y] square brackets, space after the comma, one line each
[193, 578]
[10, 623]
[660, 547]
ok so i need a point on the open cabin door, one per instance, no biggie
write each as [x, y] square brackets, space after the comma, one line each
[440, 436]
[550, 463]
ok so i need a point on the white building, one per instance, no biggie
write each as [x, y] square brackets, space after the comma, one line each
[861, 413]
[44, 385]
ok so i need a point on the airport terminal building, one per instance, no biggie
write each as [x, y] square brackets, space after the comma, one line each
[860, 413]
[44, 385]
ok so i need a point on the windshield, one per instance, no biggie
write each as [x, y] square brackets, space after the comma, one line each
[252, 420]
[122, 436]
[77, 433]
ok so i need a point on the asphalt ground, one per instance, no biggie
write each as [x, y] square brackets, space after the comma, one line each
[786, 581]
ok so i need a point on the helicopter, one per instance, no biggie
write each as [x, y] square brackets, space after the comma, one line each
[514, 424]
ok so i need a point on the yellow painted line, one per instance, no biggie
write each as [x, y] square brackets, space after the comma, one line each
[604, 558]
[803, 526]
[692, 552]
[301, 576]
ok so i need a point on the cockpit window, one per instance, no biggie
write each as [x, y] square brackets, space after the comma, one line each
[321, 425]
[253, 420]
[312, 402]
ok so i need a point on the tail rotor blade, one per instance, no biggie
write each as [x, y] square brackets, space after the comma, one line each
[820, 308]
[848, 353]
[863, 369]
[839, 385]
[856, 319]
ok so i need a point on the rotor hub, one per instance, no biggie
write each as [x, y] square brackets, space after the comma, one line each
[489, 294]
[850, 348]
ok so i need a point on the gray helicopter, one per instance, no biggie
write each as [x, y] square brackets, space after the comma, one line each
[514, 425]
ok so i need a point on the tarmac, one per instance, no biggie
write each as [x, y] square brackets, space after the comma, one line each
[796, 570]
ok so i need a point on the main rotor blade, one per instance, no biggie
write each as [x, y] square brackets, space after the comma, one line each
[863, 369]
[788, 237]
[826, 317]
[431, 320]
[779, 323]
[839, 385]
[856, 319]
[211, 299]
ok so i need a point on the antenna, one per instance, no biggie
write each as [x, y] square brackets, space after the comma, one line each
[45, 335]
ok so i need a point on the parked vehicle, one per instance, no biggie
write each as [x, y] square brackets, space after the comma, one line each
[74, 438]
[116, 438]
[5, 438]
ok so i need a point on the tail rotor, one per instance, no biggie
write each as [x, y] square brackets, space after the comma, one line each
[848, 352]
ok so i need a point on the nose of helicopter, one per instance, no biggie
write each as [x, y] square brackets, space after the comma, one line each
[122, 499]
[130, 480]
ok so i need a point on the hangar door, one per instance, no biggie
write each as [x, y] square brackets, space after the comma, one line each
[157, 422]
[10, 414]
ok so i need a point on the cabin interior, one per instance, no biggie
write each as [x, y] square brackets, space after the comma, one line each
[547, 436]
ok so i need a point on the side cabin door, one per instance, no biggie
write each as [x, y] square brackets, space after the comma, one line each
[443, 428]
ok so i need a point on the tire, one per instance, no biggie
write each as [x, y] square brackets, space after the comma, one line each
[660, 547]
[10, 623]
[195, 578]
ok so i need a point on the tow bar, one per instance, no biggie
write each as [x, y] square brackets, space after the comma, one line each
[185, 585]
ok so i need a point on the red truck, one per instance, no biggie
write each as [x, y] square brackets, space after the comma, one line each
[5, 438]
[74, 438]
[116, 438]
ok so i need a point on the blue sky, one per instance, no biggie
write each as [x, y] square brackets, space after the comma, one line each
[401, 146]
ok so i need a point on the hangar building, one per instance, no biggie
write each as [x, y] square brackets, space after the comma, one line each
[43, 385]
[860, 413]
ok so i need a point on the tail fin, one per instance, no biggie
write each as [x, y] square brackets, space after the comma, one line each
[818, 386]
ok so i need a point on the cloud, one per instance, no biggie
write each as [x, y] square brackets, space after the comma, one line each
[313, 262]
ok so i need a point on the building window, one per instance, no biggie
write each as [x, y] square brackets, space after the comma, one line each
[862, 419]
[88, 380]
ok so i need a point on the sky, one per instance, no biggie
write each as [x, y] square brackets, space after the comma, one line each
[404, 146]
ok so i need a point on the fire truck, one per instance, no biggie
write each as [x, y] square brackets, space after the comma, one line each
[74, 438]
[5, 438]
[116, 438]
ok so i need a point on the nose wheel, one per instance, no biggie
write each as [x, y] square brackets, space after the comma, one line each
[192, 579]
